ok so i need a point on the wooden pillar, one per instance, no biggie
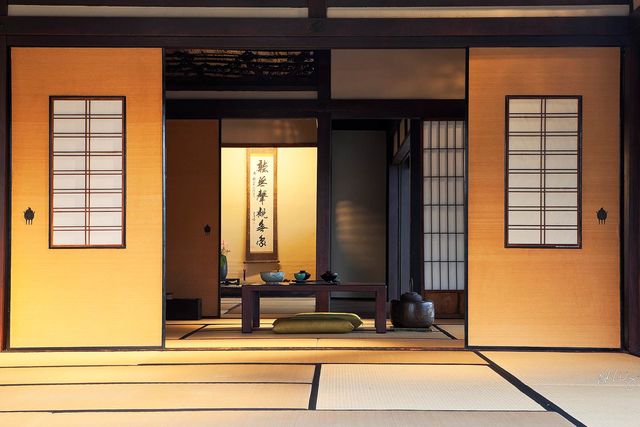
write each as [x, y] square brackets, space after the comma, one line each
[631, 199]
[317, 8]
[417, 207]
[323, 204]
[4, 190]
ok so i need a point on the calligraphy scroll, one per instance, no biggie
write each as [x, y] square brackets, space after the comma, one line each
[262, 237]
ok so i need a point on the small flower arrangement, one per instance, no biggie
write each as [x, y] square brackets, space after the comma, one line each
[224, 250]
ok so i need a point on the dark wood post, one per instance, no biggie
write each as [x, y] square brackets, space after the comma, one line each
[317, 8]
[417, 207]
[4, 184]
[323, 204]
[631, 196]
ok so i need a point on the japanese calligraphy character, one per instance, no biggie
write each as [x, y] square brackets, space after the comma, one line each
[261, 227]
[261, 196]
[262, 166]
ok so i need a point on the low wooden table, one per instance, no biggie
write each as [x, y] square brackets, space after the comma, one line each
[251, 299]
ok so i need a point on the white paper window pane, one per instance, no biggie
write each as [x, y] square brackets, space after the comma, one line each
[519, 143]
[106, 163]
[561, 237]
[428, 272]
[427, 219]
[69, 219]
[460, 276]
[524, 180]
[69, 182]
[452, 254]
[444, 225]
[561, 124]
[525, 124]
[62, 144]
[106, 200]
[459, 189]
[65, 200]
[427, 246]
[526, 105]
[524, 237]
[561, 218]
[435, 194]
[527, 218]
[435, 219]
[521, 199]
[69, 125]
[108, 126]
[426, 162]
[108, 182]
[563, 143]
[98, 237]
[69, 106]
[562, 180]
[69, 163]
[68, 238]
[435, 247]
[561, 162]
[104, 219]
[569, 200]
[106, 144]
[106, 107]
[563, 106]
[524, 161]
[460, 219]
[94, 217]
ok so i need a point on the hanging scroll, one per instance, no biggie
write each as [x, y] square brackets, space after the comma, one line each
[262, 237]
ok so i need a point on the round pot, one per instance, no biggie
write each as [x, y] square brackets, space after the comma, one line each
[412, 314]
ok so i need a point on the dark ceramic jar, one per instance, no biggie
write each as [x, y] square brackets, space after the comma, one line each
[412, 312]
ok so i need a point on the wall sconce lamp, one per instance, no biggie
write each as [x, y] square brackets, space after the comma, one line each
[29, 214]
[602, 216]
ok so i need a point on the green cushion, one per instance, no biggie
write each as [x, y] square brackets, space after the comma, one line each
[355, 320]
[295, 325]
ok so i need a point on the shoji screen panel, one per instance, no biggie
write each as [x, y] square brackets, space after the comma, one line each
[444, 174]
[87, 172]
[520, 296]
[86, 296]
[543, 172]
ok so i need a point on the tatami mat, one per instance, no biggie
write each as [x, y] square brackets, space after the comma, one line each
[455, 330]
[310, 343]
[290, 419]
[154, 396]
[374, 342]
[318, 356]
[422, 387]
[174, 332]
[597, 406]
[599, 389]
[570, 368]
[158, 374]
[118, 358]
[247, 343]
[213, 333]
